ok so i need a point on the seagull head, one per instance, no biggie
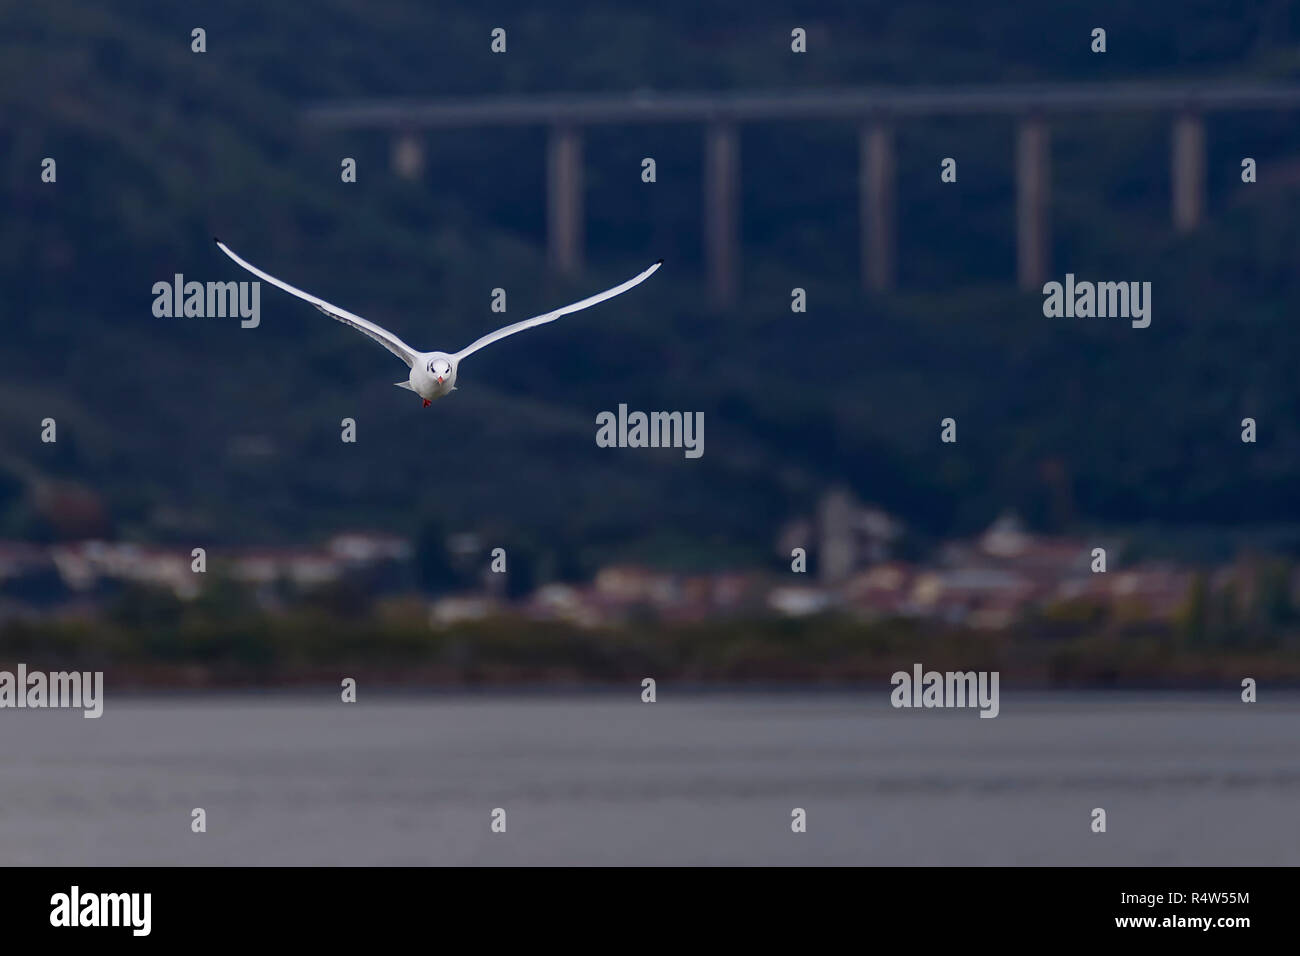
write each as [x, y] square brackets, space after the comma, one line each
[440, 369]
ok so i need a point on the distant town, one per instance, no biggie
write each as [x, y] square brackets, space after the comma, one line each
[840, 560]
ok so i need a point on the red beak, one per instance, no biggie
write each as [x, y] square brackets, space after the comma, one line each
[439, 379]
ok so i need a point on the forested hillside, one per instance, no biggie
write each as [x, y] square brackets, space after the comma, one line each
[183, 430]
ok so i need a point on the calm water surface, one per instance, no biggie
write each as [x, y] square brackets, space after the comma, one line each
[699, 779]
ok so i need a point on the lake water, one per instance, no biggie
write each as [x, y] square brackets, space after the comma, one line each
[692, 779]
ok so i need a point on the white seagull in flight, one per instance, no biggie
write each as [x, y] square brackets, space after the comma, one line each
[433, 374]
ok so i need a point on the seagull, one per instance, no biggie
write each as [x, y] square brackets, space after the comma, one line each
[433, 374]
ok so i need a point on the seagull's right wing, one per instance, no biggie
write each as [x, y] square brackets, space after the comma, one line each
[381, 335]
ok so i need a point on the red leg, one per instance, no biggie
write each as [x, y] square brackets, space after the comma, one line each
[427, 403]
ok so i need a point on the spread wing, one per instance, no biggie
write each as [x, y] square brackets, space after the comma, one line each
[552, 316]
[381, 335]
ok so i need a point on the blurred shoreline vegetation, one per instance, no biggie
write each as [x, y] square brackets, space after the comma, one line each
[149, 637]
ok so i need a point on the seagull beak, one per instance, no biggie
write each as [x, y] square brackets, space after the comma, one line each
[439, 379]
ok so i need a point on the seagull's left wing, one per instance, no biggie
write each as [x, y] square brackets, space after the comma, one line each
[552, 316]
